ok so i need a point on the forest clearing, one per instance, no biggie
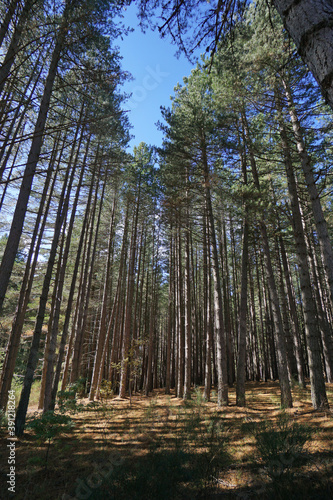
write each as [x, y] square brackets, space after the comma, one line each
[166, 310]
[161, 447]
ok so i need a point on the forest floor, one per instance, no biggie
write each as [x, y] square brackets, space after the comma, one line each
[163, 448]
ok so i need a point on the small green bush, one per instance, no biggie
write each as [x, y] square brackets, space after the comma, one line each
[107, 390]
[67, 400]
[279, 445]
[48, 426]
[3, 420]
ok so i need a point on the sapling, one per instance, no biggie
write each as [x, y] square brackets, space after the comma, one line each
[48, 426]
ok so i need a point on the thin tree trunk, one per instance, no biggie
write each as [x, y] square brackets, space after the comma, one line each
[241, 358]
[7, 19]
[221, 346]
[102, 326]
[207, 324]
[286, 397]
[71, 297]
[15, 233]
[307, 166]
[48, 403]
[294, 316]
[187, 305]
[129, 300]
[114, 320]
[33, 355]
[18, 121]
[170, 316]
[15, 42]
[27, 282]
[318, 391]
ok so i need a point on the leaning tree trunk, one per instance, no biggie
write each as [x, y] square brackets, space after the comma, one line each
[15, 41]
[318, 214]
[317, 381]
[8, 366]
[103, 319]
[19, 118]
[7, 19]
[33, 354]
[51, 353]
[87, 274]
[16, 229]
[293, 315]
[309, 23]
[71, 296]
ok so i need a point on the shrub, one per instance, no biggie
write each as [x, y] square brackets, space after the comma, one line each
[67, 400]
[48, 426]
[279, 445]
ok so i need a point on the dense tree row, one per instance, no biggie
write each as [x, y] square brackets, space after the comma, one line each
[205, 262]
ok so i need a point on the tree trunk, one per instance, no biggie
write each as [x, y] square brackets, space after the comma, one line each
[307, 166]
[187, 304]
[33, 355]
[88, 267]
[318, 391]
[221, 345]
[16, 229]
[207, 324]
[241, 359]
[7, 19]
[293, 314]
[51, 354]
[15, 41]
[309, 23]
[180, 316]
[71, 298]
[286, 397]
[27, 282]
[170, 317]
[129, 299]
[17, 120]
[102, 325]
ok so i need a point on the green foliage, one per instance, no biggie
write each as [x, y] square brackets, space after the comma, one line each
[106, 391]
[279, 445]
[3, 420]
[160, 474]
[183, 458]
[67, 400]
[49, 425]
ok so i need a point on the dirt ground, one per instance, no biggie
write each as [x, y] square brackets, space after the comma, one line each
[147, 441]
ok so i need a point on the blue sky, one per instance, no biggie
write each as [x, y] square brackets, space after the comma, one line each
[156, 71]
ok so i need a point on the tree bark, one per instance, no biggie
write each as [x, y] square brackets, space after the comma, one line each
[309, 23]
[33, 355]
[318, 391]
[51, 354]
[241, 359]
[221, 345]
[15, 233]
[27, 282]
[7, 19]
[102, 326]
[286, 397]
[306, 162]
